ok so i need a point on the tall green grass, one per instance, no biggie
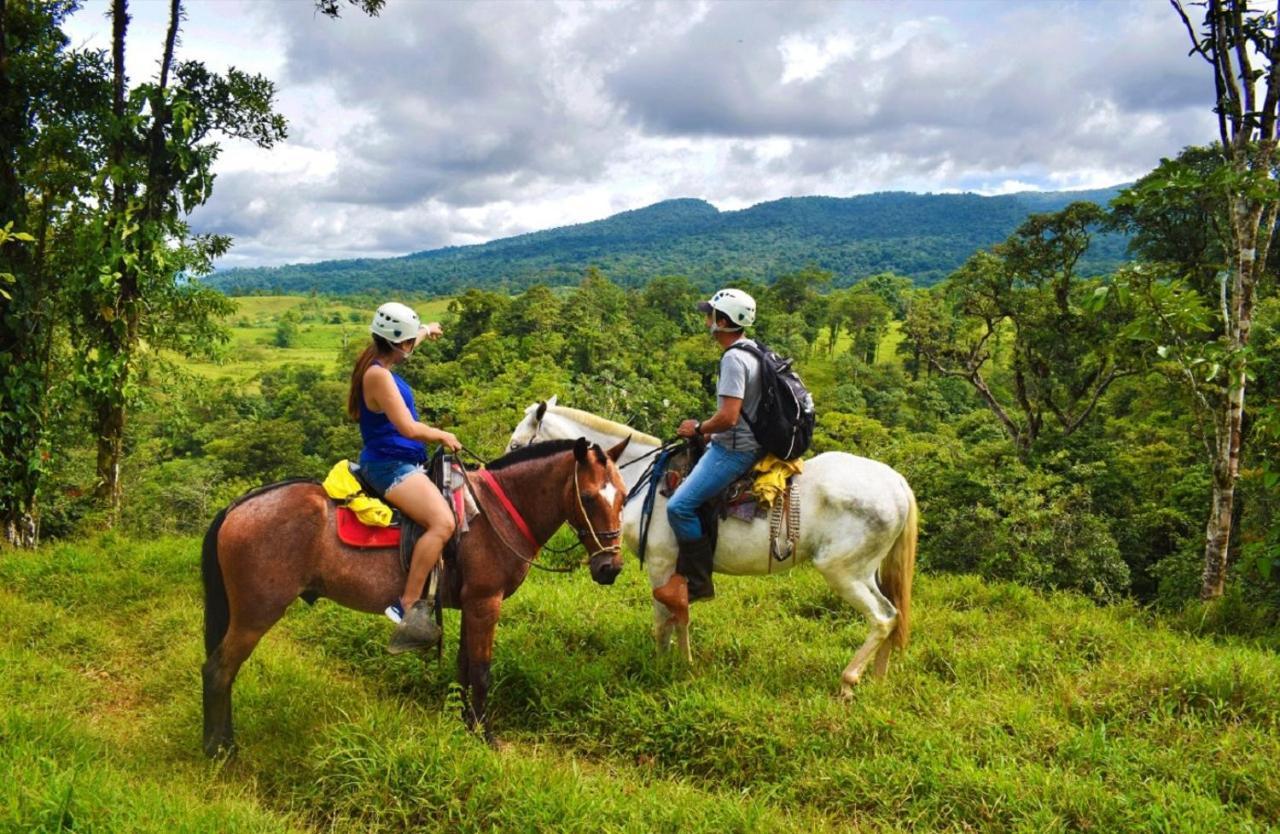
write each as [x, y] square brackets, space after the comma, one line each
[1011, 711]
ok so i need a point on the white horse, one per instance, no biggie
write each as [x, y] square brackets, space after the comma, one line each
[858, 525]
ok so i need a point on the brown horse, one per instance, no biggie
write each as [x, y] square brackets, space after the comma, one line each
[278, 543]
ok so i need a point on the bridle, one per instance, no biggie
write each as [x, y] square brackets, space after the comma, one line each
[598, 537]
[608, 535]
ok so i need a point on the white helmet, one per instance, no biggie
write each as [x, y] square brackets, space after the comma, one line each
[395, 322]
[736, 305]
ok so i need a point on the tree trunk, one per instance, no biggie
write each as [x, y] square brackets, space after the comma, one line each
[110, 420]
[1218, 530]
[20, 333]
[1238, 315]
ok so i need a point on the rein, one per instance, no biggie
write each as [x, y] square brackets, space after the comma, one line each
[521, 525]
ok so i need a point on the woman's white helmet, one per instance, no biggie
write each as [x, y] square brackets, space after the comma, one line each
[395, 322]
[736, 305]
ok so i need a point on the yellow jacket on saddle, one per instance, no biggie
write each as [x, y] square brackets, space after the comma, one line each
[343, 487]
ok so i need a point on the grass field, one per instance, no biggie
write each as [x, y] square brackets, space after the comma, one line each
[1011, 711]
[320, 340]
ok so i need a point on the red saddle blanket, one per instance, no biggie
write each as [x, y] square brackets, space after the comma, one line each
[356, 533]
[353, 531]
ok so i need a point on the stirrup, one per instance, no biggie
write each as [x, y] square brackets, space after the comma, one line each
[418, 630]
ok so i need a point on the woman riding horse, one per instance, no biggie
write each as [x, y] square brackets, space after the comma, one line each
[394, 451]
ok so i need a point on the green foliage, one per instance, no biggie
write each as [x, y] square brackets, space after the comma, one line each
[1066, 349]
[286, 335]
[1029, 526]
[52, 106]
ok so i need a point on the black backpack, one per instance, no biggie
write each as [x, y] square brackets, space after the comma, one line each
[784, 419]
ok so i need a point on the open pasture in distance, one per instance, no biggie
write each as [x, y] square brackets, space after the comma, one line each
[324, 325]
[1011, 711]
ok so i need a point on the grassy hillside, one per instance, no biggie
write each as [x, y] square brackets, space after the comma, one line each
[924, 236]
[320, 338]
[1010, 712]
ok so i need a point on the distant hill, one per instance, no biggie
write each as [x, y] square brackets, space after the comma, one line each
[924, 236]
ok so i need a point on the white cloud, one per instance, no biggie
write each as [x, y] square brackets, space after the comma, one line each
[441, 124]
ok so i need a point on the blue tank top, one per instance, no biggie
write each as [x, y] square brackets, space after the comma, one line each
[382, 440]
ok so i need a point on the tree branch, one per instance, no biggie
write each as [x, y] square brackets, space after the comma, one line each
[974, 378]
[1242, 59]
[1222, 60]
[1068, 429]
[1191, 31]
[171, 37]
[1267, 129]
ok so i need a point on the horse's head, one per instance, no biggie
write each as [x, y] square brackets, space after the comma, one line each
[597, 517]
[527, 431]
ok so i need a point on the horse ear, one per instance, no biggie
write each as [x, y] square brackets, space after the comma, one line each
[580, 449]
[542, 409]
[552, 400]
[616, 451]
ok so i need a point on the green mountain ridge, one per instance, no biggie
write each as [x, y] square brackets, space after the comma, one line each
[924, 236]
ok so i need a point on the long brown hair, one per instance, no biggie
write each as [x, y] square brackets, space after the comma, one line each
[355, 394]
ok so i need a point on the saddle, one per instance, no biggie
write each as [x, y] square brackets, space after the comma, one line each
[741, 500]
[447, 475]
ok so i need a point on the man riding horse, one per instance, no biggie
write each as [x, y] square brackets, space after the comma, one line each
[733, 449]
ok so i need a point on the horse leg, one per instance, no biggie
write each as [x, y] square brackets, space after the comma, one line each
[479, 618]
[219, 673]
[863, 595]
[662, 626]
[464, 677]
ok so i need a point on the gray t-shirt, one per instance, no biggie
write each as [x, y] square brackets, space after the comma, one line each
[739, 377]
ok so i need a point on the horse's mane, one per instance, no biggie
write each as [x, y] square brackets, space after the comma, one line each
[600, 424]
[534, 451]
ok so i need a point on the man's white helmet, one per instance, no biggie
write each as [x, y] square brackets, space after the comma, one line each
[395, 322]
[739, 307]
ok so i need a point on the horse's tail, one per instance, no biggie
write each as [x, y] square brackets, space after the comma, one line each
[897, 571]
[217, 611]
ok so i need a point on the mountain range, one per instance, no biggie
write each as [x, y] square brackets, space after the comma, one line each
[923, 236]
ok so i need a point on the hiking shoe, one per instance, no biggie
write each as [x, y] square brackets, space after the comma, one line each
[417, 631]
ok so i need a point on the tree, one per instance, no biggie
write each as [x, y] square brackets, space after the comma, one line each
[1231, 38]
[893, 288]
[1066, 350]
[160, 161]
[475, 312]
[866, 316]
[51, 115]
[286, 335]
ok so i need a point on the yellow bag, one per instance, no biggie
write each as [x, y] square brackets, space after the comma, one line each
[771, 478]
[343, 487]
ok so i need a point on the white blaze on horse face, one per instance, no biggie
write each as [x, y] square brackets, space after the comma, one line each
[610, 492]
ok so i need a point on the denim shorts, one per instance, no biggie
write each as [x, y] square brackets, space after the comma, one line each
[384, 475]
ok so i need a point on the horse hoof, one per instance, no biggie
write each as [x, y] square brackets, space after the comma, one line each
[220, 750]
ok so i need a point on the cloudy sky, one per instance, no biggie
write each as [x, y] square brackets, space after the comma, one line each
[452, 123]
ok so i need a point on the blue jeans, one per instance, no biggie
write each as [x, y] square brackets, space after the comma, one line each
[718, 468]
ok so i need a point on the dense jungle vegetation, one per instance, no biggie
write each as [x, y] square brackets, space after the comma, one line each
[1114, 509]
[922, 236]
